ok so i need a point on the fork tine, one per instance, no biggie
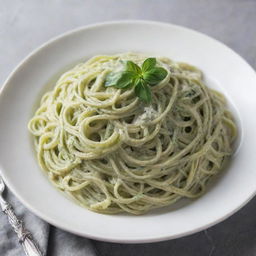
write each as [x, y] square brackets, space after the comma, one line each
[1, 184]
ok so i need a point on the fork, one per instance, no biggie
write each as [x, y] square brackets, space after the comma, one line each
[25, 238]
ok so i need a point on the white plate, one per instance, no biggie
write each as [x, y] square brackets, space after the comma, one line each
[223, 68]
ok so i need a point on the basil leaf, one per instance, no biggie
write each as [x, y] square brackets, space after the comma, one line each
[140, 78]
[155, 75]
[148, 64]
[132, 67]
[137, 80]
[143, 91]
[119, 79]
[112, 78]
[125, 80]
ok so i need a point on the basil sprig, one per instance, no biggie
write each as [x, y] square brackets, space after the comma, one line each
[139, 77]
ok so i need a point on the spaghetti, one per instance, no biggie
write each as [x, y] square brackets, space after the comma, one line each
[113, 153]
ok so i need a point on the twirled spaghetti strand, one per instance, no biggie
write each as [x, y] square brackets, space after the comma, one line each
[113, 153]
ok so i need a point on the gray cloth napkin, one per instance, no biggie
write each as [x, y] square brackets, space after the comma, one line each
[8, 239]
[28, 23]
[234, 237]
[61, 243]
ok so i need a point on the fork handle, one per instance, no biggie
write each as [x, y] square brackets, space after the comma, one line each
[25, 238]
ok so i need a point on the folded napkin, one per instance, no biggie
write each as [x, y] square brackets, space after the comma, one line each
[51, 241]
[234, 237]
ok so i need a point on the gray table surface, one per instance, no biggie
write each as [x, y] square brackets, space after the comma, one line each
[25, 24]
